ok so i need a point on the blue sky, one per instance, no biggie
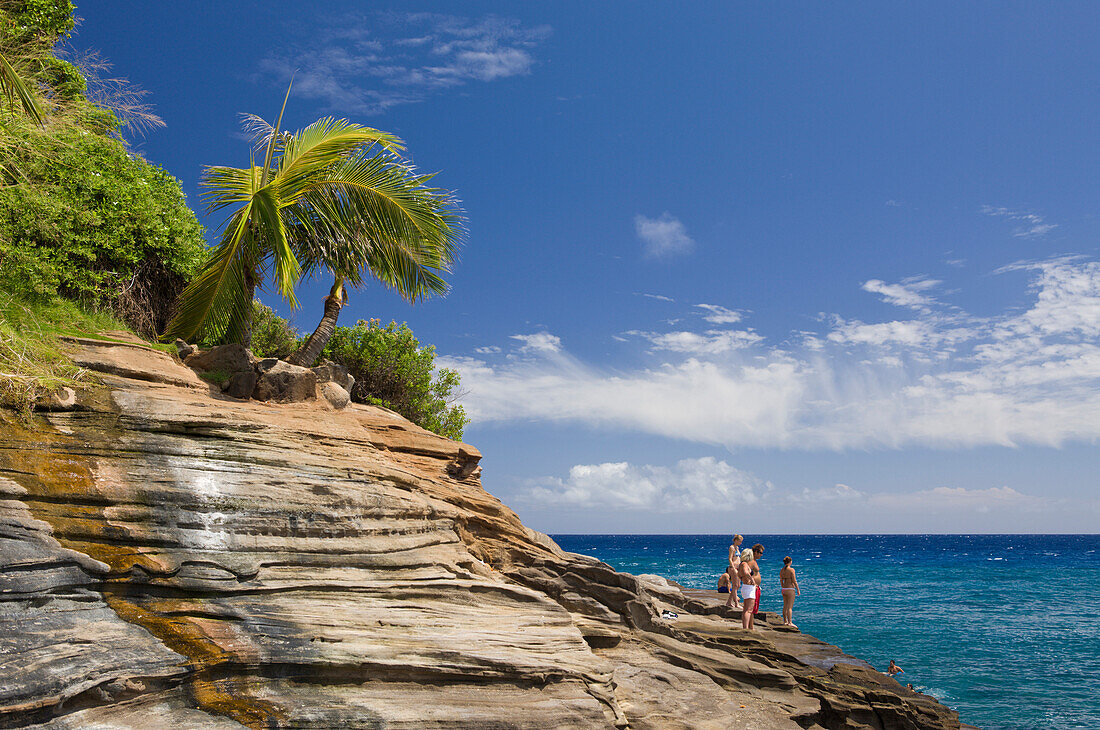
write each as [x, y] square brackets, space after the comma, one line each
[730, 266]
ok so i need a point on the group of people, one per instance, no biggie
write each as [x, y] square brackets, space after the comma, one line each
[741, 580]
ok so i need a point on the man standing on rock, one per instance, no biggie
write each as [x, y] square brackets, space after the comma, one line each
[757, 551]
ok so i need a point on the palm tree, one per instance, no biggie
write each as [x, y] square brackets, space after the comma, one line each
[334, 196]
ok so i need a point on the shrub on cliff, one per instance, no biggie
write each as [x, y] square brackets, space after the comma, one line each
[80, 216]
[91, 222]
[272, 336]
[391, 369]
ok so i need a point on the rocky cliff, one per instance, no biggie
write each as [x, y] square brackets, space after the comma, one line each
[171, 557]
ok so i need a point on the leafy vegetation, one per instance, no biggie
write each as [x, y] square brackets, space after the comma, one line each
[81, 217]
[391, 369]
[94, 239]
[334, 196]
[272, 336]
[93, 223]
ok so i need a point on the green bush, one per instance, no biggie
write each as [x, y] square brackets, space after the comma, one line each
[80, 216]
[45, 20]
[93, 223]
[391, 369]
[272, 336]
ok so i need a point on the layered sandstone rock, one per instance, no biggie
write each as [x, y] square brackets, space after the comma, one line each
[172, 557]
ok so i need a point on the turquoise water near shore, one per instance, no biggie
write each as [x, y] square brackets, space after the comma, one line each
[1003, 628]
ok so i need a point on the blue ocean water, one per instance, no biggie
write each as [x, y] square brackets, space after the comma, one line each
[1003, 628]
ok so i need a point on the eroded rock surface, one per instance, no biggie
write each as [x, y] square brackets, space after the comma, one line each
[172, 557]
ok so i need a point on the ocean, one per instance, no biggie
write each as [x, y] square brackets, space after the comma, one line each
[1003, 628]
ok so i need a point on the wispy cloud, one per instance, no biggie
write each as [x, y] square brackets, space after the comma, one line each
[709, 484]
[907, 293]
[937, 499]
[366, 64]
[942, 378]
[692, 484]
[664, 236]
[658, 297]
[539, 342]
[711, 342]
[717, 314]
[1028, 224]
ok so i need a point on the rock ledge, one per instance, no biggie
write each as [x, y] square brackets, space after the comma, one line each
[174, 557]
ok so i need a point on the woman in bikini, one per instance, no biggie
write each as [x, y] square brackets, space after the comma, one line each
[748, 589]
[732, 570]
[788, 586]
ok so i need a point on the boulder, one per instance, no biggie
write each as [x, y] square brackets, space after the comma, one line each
[330, 372]
[466, 463]
[240, 385]
[231, 358]
[285, 383]
[183, 349]
[336, 396]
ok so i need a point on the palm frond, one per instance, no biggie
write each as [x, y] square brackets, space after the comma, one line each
[375, 215]
[13, 85]
[268, 217]
[324, 144]
[258, 130]
[219, 298]
[225, 186]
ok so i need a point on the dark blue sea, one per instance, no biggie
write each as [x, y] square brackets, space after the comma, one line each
[1003, 628]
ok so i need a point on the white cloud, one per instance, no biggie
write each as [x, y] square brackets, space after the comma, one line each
[942, 499]
[1028, 376]
[369, 63]
[716, 314]
[487, 350]
[907, 293]
[1029, 224]
[659, 297]
[711, 342]
[709, 484]
[664, 236]
[924, 337]
[539, 342]
[691, 485]
[836, 493]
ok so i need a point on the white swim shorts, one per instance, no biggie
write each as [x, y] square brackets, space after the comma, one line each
[748, 590]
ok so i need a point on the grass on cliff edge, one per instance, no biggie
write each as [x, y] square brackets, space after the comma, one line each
[32, 355]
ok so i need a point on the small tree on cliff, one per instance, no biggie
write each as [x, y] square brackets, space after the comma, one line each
[334, 196]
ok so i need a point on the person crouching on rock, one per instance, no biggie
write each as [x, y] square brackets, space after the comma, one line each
[748, 589]
[725, 584]
[788, 586]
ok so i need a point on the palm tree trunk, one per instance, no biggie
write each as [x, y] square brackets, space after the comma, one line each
[334, 302]
[246, 335]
